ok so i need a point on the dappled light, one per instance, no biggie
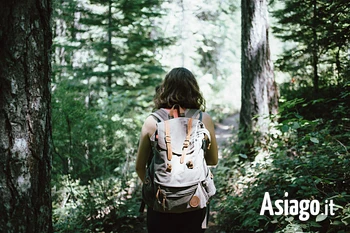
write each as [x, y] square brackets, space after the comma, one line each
[75, 94]
[109, 58]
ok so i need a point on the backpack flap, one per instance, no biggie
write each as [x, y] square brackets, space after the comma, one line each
[178, 133]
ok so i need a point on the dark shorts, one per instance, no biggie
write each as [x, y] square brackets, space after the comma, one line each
[189, 222]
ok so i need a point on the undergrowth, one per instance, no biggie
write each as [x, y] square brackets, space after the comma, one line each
[103, 205]
[306, 154]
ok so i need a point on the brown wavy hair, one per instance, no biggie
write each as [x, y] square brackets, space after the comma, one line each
[179, 87]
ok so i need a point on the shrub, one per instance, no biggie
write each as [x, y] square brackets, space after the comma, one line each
[304, 156]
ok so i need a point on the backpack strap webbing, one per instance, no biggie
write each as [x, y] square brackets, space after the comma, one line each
[168, 140]
[193, 113]
[160, 115]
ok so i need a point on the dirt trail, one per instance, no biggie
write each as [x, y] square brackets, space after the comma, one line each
[225, 129]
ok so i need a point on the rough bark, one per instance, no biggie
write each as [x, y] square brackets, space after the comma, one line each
[25, 127]
[259, 91]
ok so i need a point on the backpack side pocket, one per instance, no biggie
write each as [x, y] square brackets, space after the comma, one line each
[148, 190]
[208, 184]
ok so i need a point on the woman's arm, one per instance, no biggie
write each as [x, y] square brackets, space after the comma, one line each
[211, 155]
[144, 150]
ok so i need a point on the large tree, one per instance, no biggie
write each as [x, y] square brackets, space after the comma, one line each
[25, 128]
[259, 92]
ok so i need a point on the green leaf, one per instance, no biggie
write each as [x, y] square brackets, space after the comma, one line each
[321, 217]
[314, 140]
[337, 223]
[250, 141]
[275, 221]
[296, 125]
[285, 128]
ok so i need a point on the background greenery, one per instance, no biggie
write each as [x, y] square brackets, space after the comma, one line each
[108, 57]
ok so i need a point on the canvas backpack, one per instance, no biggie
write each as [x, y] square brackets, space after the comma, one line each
[177, 177]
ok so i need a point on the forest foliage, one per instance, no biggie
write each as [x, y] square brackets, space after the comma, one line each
[305, 154]
[108, 57]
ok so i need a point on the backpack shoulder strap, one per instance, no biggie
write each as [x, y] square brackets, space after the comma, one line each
[160, 115]
[163, 115]
[193, 113]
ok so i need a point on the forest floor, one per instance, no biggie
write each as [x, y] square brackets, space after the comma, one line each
[224, 130]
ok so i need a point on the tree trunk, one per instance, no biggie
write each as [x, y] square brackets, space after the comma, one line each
[315, 47]
[259, 91]
[110, 52]
[25, 127]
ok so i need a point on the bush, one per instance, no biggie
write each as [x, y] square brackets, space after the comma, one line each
[305, 156]
[100, 206]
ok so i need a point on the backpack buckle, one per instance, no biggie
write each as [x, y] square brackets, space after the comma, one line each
[167, 139]
[186, 143]
[190, 164]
